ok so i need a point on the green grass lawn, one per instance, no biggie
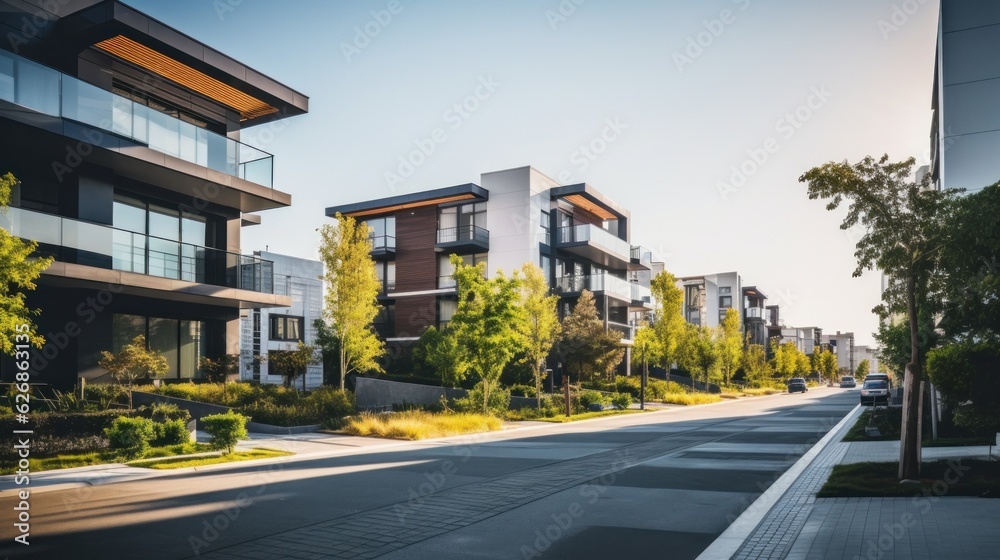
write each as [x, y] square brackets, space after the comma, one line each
[70, 460]
[182, 462]
[939, 478]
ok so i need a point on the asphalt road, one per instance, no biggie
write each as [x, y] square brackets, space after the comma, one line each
[662, 484]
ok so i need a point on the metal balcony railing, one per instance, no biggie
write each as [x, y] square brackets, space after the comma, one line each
[463, 233]
[604, 282]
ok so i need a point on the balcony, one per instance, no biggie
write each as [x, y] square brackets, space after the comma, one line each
[463, 239]
[53, 93]
[445, 282]
[101, 246]
[641, 259]
[595, 244]
[642, 297]
[383, 246]
[606, 284]
[754, 313]
[625, 330]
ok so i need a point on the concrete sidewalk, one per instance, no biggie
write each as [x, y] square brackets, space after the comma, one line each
[801, 526]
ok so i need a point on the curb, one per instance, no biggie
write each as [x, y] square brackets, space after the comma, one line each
[730, 541]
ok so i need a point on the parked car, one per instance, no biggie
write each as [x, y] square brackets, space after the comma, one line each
[848, 382]
[797, 384]
[875, 392]
[880, 377]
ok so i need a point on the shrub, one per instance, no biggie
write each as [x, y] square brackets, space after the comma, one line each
[131, 436]
[106, 394]
[692, 398]
[164, 412]
[332, 403]
[588, 398]
[226, 429]
[621, 400]
[522, 390]
[499, 400]
[265, 412]
[171, 432]
[414, 425]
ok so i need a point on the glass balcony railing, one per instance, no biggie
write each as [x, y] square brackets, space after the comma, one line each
[604, 282]
[53, 93]
[445, 282]
[641, 293]
[601, 238]
[463, 233]
[383, 242]
[625, 330]
[754, 313]
[102, 246]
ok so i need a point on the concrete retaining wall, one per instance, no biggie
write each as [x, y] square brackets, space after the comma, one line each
[380, 394]
[199, 410]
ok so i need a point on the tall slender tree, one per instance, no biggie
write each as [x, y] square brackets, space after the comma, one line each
[541, 322]
[586, 348]
[488, 323]
[18, 272]
[352, 289]
[730, 345]
[905, 233]
[668, 324]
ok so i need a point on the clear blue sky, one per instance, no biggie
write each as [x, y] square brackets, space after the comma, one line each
[686, 117]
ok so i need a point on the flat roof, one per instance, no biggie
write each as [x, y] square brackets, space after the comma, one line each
[590, 199]
[457, 193]
[139, 39]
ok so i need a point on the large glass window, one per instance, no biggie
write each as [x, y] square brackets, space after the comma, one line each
[446, 310]
[164, 249]
[37, 87]
[190, 348]
[286, 328]
[129, 245]
[446, 270]
[6, 78]
[181, 342]
[460, 222]
[383, 232]
[386, 272]
[193, 230]
[163, 338]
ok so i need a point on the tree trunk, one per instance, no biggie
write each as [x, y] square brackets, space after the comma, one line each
[343, 366]
[538, 387]
[909, 447]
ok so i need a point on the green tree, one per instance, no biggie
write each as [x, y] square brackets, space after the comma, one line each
[488, 323]
[669, 323]
[439, 350]
[802, 364]
[756, 367]
[863, 368]
[786, 362]
[352, 288]
[290, 364]
[586, 348]
[905, 233]
[825, 362]
[218, 369]
[133, 362]
[698, 352]
[730, 345]
[972, 268]
[18, 272]
[541, 322]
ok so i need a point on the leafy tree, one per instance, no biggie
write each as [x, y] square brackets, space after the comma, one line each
[587, 349]
[698, 351]
[785, 362]
[133, 362]
[217, 370]
[966, 374]
[18, 272]
[972, 267]
[894, 340]
[863, 368]
[541, 324]
[644, 347]
[756, 367]
[730, 344]
[292, 363]
[440, 351]
[352, 289]
[905, 233]
[487, 324]
[825, 362]
[802, 363]
[669, 323]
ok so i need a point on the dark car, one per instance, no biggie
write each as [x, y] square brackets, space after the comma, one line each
[848, 382]
[797, 384]
[880, 377]
[875, 392]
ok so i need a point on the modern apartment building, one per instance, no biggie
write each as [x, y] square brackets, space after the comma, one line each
[842, 344]
[265, 331]
[708, 297]
[577, 235]
[965, 127]
[755, 315]
[125, 136]
[863, 352]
